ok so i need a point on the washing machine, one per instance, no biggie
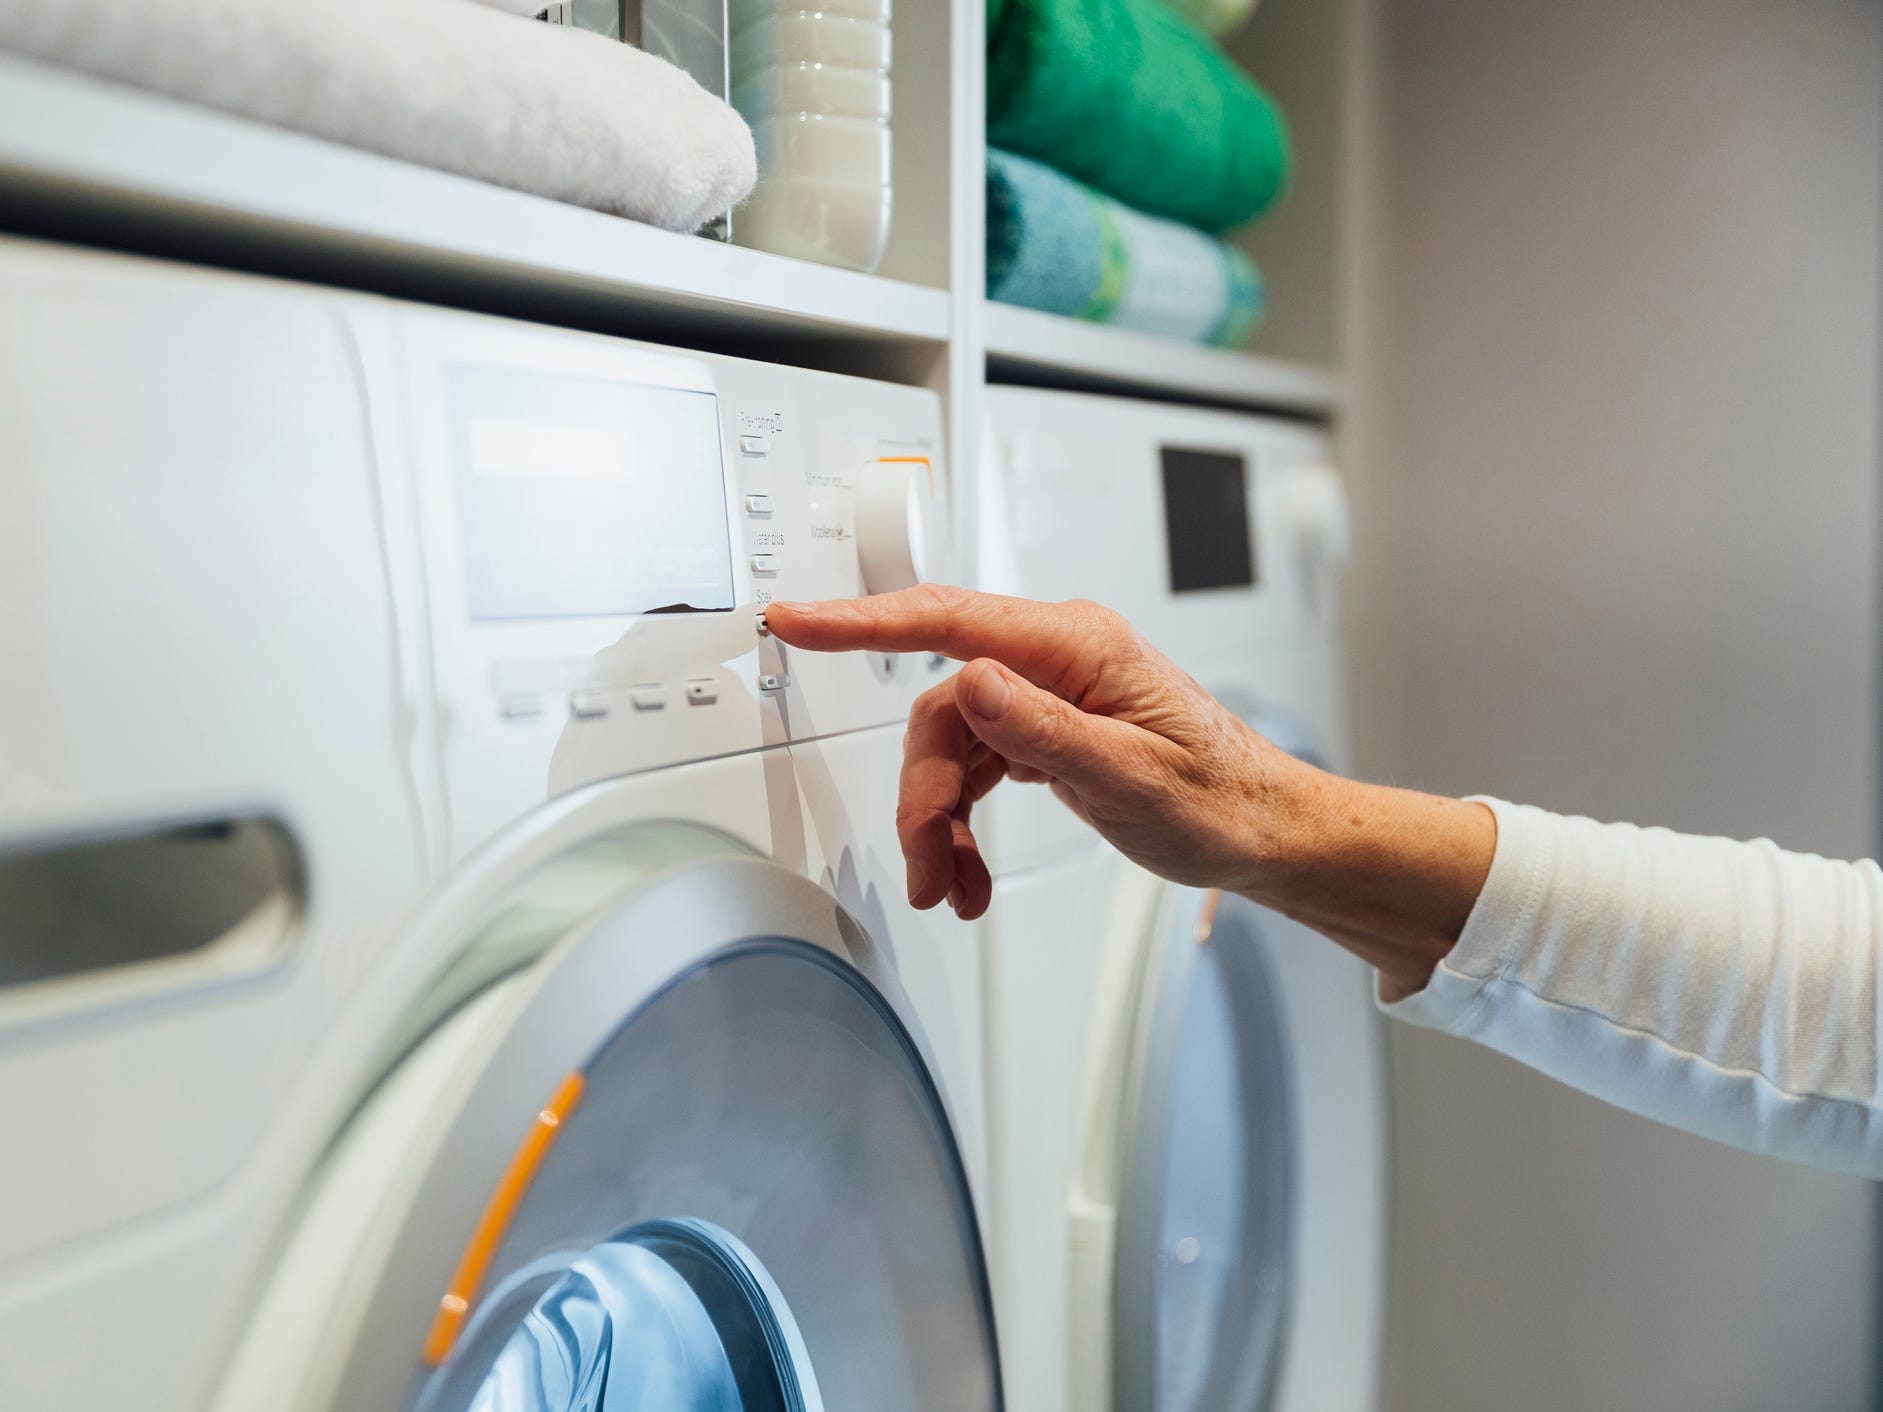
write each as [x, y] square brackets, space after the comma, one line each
[1186, 1107]
[454, 958]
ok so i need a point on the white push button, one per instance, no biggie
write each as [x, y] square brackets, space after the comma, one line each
[764, 628]
[774, 681]
[758, 505]
[520, 708]
[588, 705]
[702, 691]
[754, 446]
[648, 696]
[764, 563]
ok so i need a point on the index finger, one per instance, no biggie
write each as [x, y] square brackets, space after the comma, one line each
[1059, 646]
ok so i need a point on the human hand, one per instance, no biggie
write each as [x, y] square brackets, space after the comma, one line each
[1069, 695]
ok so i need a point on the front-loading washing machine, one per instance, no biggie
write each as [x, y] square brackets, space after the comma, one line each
[1186, 1100]
[454, 958]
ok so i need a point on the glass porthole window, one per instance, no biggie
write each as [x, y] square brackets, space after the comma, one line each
[1206, 1231]
[756, 1206]
[669, 1315]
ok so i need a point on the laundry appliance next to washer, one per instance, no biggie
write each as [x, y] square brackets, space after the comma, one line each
[1186, 1105]
[453, 958]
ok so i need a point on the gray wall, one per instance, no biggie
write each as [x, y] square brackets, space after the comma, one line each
[1615, 452]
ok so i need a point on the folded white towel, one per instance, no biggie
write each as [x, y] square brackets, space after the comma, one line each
[541, 108]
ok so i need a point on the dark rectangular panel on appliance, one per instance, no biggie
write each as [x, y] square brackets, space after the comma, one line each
[1206, 520]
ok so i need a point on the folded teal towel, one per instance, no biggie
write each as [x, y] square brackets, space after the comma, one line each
[1127, 97]
[1053, 244]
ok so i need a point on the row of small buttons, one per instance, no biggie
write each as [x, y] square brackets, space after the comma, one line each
[591, 703]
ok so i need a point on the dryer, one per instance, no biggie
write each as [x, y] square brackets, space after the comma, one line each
[1187, 1113]
[454, 958]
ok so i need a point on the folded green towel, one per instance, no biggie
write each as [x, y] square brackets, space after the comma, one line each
[1125, 96]
[1053, 244]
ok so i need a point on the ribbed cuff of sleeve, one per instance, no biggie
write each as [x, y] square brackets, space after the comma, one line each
[1500, 930]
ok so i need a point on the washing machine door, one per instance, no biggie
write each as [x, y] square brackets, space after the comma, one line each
[692, 1158]
[1208, 1202]
[1207, 1206]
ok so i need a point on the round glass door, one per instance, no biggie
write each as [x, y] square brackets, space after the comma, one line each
[1207, 1226]
[668, 1314]
[756, 1204]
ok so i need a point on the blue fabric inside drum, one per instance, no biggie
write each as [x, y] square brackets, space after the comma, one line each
[670, 1315]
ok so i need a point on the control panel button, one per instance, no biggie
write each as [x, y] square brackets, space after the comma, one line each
[588, 705]
[764, 628]
[754, 446]
[759, 506]
[520, 708]
[648, 696]
[774, 681]
[764, 563]
[702, 691]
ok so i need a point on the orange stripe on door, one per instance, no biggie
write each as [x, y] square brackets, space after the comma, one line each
[456, 1303]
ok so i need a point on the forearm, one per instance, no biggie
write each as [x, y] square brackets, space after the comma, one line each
[1726, 988]
[1390, 874]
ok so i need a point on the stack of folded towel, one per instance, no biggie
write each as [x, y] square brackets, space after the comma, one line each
[1145, 141]
[554, 111]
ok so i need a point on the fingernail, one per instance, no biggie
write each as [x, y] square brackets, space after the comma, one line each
[803, 610]
[989, 695]
[918, 881]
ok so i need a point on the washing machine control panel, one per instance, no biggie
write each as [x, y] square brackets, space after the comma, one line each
[603, 524]
[1205, 527]
[835, 513]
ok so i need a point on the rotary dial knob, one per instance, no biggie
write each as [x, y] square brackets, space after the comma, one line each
[1316, 509]
[898, 524]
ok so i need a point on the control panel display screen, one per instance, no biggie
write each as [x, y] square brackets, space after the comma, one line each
[579, 497]
[1206, 520]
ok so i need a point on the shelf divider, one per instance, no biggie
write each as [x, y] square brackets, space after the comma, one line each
[81, 149]
[1024, 345]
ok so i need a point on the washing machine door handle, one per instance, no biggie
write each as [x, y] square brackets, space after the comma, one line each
[112, 914]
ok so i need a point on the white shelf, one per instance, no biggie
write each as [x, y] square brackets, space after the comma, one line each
[70, 143]
[1029, 346]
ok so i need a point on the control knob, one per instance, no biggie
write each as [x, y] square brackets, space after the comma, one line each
[1315, 509]
[898, 524]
